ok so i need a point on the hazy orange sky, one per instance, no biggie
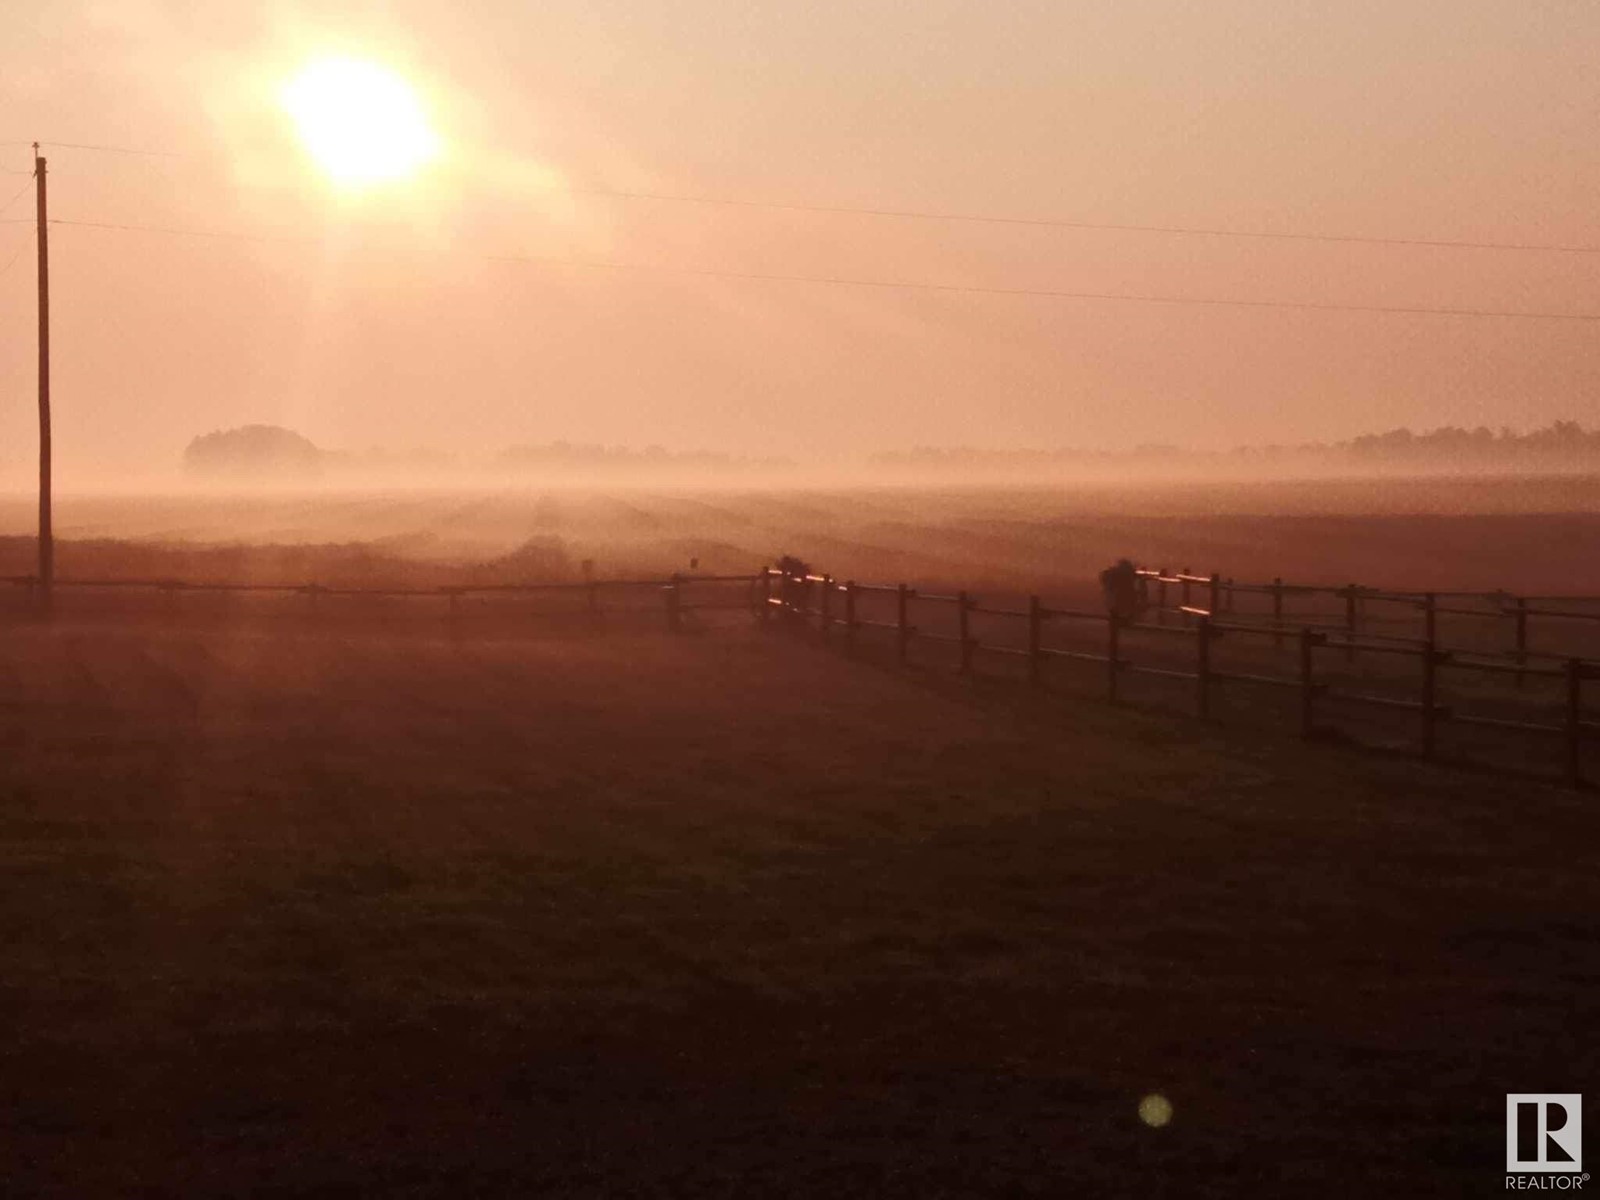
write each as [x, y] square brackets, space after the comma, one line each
[384, 318]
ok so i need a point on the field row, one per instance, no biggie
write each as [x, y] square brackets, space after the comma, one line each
[1516, 534]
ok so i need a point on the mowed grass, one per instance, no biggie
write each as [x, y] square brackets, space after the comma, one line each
[729, 914]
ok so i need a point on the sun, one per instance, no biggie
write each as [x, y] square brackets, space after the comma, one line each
[361, 122]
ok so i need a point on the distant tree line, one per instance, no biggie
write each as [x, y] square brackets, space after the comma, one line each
[270, 451]
[1559, 444]
[1558, 439]
[254, 451]
[273, 452]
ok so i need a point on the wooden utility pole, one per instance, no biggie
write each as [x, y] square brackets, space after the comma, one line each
[1430, 674]
[46, 536]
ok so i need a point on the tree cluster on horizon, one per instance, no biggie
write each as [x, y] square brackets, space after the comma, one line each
[254, 451]
[272, 451]
[1561, 443]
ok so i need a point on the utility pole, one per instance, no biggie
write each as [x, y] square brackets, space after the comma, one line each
[46, 536]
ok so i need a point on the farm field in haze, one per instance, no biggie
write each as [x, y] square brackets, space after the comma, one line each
[1529, 535]
[630, 914]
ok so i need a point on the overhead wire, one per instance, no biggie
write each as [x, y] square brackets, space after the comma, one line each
[920, 285]
[176, 231]
[12, 261]
[98, 147]
[1054, 293]
[15, 198]
[1117, 227]
[903, 285]
[918, 214]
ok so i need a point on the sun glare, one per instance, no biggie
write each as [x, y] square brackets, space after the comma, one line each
[361, 122]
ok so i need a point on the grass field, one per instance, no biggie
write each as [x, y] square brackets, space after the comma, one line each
[1519, 534]
[616, 913]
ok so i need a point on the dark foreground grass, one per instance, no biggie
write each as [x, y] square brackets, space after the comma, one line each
[286, 915]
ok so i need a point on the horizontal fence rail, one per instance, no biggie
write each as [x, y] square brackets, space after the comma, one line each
[1175, 633]
[1184, 607]
[1507, 619]
[674, 590]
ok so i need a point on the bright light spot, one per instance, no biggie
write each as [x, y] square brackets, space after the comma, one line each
[1155, 1110]
[362, 123]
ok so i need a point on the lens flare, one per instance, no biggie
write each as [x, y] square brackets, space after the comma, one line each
[361, 122]
[1155, 1110]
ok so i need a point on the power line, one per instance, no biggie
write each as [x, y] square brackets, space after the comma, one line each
[17, 197]
[914, 214]
[902, 285]
[12, 261]
[175, 231]
[1142, 298]
[1056, 223]
[100, 147]
[114, 149]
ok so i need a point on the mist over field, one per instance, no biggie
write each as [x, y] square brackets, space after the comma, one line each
[1446, 532]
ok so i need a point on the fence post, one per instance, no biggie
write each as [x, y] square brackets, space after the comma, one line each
[902, 623]
[1308, 687]
[1183, 596]
[1522, 638]
[674, 601]
[850, 613]
[1113, 656]
[1277, 609]
[1575, 721]
[1350, 622]
[1430, 665]
[1202, 669]
[964, 630]
[825, 606]
[1035, 638]
[1215, 603]
[1161, 596]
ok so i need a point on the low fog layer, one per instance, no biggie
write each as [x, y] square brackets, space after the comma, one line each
[264, 455]
[1521, 534]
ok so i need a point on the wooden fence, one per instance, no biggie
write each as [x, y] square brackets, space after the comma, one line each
[676, 592]
[1506, 621]
[1201, 610]
[1190, 613]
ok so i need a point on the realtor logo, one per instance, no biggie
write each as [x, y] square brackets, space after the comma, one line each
[1544, 1131]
